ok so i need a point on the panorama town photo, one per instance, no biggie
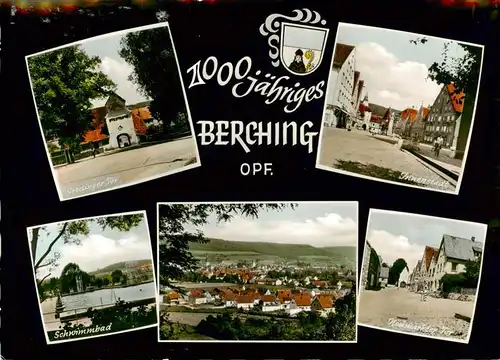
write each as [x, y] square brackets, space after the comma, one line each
[400, 107]
[257, 271]
[94, 276]
[112, 111]
[420, 275]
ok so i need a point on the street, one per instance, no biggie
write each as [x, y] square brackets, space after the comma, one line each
[123, 168]
[359, 146]
[377, 308]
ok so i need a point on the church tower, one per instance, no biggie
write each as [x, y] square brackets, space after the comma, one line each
[365, 100]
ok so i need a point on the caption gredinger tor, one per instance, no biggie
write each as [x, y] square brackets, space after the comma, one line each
[295, 45]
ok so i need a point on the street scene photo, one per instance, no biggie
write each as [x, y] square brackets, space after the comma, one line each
[400, 107]
[94, 276]
[112, 111]
[420, 275]
[257, 271]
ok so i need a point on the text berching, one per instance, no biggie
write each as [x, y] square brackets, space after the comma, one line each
[256, 133]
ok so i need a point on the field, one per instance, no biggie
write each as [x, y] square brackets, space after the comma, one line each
[217, 250]
[119, 266]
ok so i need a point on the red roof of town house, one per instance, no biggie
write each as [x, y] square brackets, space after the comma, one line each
[95, 133]
[173, 295]
[409, 114]
[376, 119]
[302, 300]
[457, 99]
[196, 293]
[244, 299]
[138, 116]
[269, 298]
[284, 293]
[342, 52]
[319, 283]
[363, 108]
[429, 253]
[325, 301]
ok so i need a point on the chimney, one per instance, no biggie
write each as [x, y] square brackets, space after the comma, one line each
[473, 238]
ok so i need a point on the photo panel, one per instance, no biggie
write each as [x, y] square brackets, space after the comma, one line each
[400, 107]
[420, 275]
[257, 272]
[94, 276]
[113, 111]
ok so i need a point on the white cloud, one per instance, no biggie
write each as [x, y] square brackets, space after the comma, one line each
[328, 230]
[119, 71]
[392, 247]
[391, 82]
[98, 251]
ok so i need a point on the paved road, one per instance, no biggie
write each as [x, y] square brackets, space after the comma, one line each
[376, 308]
[360, 146]
[122, 168]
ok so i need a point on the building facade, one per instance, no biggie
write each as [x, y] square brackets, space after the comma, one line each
[370, 273]
[444, 117]
[416, 129]
[339, 99]
[453, 255]
[365, 263]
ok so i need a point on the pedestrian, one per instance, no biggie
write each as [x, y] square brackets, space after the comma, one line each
[424, 293]
[95, 148]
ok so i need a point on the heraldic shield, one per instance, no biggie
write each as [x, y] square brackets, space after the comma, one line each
[302, 47]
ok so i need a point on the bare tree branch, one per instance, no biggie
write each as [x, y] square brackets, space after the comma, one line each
[45, 277]
[49, 249]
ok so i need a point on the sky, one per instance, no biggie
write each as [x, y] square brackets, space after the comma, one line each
[394, 70]
[316, 224]
[114, 66]
[99, 249]
[396, 235]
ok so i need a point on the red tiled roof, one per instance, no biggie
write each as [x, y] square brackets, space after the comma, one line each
[244, 299]
[138, 116]
[342, 51]
[302, 300]
[457, 99]
[429, 253]
[325, 301]
[269, 298]
[196, 293]
[376, 119]
[173, 295]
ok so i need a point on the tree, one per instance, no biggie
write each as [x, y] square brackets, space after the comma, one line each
[151, 55]
[343, 323]
[472, 271]
[71, 232]
[64, 83]
[395, 270]
[175, 259]
[464, 73]
[116, 275]
[68, 277]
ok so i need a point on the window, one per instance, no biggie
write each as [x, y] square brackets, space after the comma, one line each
[439, 118]
[453, 266]
[444, 128]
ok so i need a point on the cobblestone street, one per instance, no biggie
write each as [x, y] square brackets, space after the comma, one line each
[360, 146]
[382, 309]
